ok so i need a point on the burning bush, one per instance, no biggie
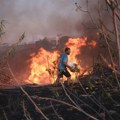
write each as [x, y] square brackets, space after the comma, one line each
[43, 64]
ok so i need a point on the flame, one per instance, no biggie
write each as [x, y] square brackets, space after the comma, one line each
[93, 43]
[43, 65]
[75, 44]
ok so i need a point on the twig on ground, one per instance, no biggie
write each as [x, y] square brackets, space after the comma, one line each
[5, 115]
[37, 108]
[87, 114]
[26, 114]
[59, 117]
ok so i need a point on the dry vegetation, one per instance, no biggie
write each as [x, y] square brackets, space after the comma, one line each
[94, 97]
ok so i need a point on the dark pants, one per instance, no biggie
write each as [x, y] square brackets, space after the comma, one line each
[63, 72]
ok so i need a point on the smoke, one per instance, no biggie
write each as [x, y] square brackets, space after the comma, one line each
[38, 18]
[48, 18]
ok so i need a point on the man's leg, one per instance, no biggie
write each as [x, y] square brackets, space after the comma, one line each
[68, 80]
[68, 75]
[60, 75]
[57, 80]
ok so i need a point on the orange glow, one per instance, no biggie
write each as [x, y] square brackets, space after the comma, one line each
[43, 65]
[93, 43]
[75, 45]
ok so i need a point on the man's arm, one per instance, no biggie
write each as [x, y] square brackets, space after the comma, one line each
[66, 64]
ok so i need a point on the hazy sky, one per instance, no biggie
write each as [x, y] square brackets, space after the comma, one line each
[39, 18]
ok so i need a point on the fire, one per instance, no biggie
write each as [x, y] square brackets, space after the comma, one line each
[43, 65]
[93, 43]
[75, 44]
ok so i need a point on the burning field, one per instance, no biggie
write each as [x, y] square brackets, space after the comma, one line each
[92, 94]
[43, 63]
[28, 69]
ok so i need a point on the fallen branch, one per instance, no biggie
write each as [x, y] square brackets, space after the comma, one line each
[37, 108]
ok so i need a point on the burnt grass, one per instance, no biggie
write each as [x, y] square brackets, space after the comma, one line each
[96, 94]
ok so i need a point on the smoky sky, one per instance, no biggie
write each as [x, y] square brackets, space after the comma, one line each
[40, 18]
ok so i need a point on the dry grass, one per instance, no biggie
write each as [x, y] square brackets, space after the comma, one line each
[6, 73]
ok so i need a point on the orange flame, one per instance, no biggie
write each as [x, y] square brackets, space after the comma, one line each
[40, 66]
[43, 65]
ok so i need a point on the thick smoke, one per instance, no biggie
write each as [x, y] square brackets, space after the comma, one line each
[46, 18]
[38, 18]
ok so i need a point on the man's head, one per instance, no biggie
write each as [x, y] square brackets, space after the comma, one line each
[67, 51]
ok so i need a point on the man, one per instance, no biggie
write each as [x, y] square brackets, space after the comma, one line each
[63, 65]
